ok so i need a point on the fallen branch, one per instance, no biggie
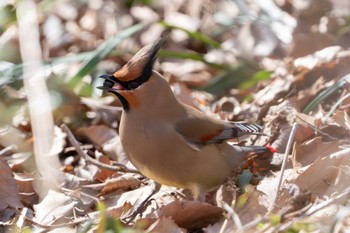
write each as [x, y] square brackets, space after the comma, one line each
[119, 168]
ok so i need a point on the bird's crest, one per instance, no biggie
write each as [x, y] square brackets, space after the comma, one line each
[141, 64]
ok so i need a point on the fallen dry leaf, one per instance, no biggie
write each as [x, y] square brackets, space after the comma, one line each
[164, 224]
[97, 134]
[104, 174]
[26, 189]
[9, 197]
[191, 214]
[328, 175]
[54, 208]
[268, 187]
[308, 152]
[252, 206]
[121, 183]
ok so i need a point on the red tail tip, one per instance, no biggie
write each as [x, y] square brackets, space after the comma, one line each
[272, 150]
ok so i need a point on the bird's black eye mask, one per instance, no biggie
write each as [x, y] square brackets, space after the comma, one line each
[112, 83]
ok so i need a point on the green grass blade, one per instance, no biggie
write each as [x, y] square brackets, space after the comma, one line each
[326, 93]
[91, 59]
[102, 51]
[195, 35]
[230, 78]
[15, 72]
[257, 77]
[190, 56]
[182, 55]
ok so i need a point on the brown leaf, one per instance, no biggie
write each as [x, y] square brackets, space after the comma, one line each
[252, 206]
[308, 152]
[55, 207]
[26, 190]
[328, 175]
[97, 134]
[342, 119]
[104, 174]
[334, 130]
[191, 214]
[164, 225]
[125, 182]
[268, 187]
[8, 189]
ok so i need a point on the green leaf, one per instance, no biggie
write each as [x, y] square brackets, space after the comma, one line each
[195, 35]
[257, 77]
[190, 55]
[275, 219]
[230, 78]
[326, 93]
[101, 52]
[182, 55]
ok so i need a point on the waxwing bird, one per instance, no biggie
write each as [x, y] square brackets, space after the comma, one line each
[170, 142]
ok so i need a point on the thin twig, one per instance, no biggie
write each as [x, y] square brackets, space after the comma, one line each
[316, 208]
[76, 144]
[234, 216]
[327, 203]
[69, 224]
[69, 191]
[283, 168]
[317, 130]
[254, 223]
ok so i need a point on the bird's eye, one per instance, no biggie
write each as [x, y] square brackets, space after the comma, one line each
[133, 85]
[108, 83]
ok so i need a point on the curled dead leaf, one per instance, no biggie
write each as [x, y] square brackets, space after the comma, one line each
[122, 183]
[191, 214]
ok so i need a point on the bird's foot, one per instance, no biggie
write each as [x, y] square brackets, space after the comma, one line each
[143, 206]
[139, 210]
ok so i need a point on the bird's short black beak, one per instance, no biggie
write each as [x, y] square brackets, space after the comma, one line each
[108, 83]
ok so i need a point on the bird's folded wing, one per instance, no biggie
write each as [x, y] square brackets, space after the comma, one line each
[199, 129]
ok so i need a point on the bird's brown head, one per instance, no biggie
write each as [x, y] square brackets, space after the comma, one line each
[133, 74]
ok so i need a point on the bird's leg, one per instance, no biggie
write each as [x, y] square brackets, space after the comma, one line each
[200, 197]
[198, 193]
[155, 188]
